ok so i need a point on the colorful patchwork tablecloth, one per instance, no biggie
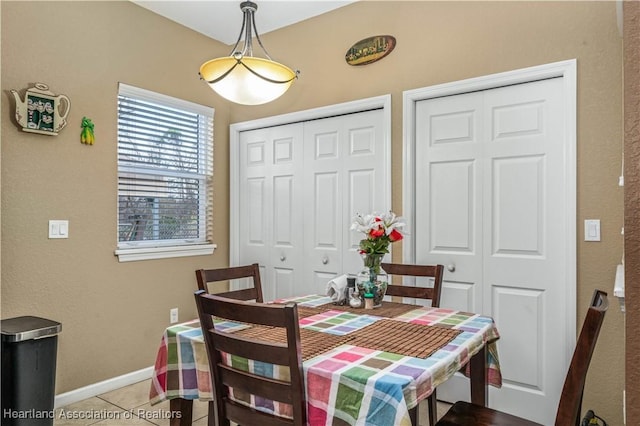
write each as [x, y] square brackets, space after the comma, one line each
[349, 385]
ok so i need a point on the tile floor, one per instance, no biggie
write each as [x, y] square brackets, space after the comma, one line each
[130, 406]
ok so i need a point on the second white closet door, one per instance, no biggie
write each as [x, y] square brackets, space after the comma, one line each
[344, 174]
[270, 199]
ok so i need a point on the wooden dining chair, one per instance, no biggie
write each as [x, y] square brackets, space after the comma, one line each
[205, 276]
[224, 408]
[432, 271]
[433, 293]
[570, 406]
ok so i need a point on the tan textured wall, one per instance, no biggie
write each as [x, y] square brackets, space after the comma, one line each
[112, 314]
[44, 178]
[632, 203]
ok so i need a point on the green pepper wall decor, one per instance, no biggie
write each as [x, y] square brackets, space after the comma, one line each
[87, 136]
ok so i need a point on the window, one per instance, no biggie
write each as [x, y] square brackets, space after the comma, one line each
[165, 171]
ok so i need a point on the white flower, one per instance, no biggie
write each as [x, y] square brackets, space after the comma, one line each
[388, 221]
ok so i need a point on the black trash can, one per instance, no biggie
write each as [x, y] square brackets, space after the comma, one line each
[29, 348]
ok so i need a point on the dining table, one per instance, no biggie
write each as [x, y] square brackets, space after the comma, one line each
[369, 367]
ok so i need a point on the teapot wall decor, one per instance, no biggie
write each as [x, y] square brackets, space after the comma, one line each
[41, 111]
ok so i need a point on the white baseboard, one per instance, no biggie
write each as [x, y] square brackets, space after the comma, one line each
[102, 387]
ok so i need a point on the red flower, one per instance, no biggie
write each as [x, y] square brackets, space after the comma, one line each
[395, 236]
[376, 233]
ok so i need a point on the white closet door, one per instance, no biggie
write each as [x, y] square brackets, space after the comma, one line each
[491, 201]
[299, 187]
[344, 174]
[449, 170]
[525, 281]
[271, 195]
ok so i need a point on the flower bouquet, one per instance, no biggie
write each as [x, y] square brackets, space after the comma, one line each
[380, 232]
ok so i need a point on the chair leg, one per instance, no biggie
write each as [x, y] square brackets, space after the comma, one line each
[413, 416]
[183, 407]
[211, 414]
[433, 408]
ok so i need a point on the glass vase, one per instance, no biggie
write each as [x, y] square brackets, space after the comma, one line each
[372, 279]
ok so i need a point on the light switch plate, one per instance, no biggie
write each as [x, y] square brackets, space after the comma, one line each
[58, 229]
[592, 230]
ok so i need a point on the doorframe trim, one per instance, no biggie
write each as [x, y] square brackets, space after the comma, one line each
[565, 69]
[378, 102]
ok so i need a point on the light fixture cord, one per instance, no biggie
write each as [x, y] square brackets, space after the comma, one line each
[249, 28]
[255, 29]
[248, 44]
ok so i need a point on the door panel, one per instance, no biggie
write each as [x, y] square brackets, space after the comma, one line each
[524, 335]
[526, 244]
[518, 205]
[365, 178]
[255, 204]
[458, 296]
[323, 236]
[270, 188]
[283, 199]
[361, 190]
[326, 206]
[286, 225]
[284, 281]
[284, 234]
[323, 205]
[451, 207]
[448, 225]
[344, 175]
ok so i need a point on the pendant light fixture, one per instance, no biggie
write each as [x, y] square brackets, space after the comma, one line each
[243, 78]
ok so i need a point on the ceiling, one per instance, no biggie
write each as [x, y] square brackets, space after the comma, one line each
[222, 19]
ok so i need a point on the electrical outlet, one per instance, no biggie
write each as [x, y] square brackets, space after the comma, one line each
[173, 315]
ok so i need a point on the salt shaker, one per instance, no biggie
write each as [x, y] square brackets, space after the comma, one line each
[354, 299]
[368, 301]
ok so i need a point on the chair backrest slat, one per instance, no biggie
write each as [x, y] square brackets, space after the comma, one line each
[433, 271]
[265, 352]
[270, 389]
[224, 376]
[244, 418]
[570, 404]
[205, 276]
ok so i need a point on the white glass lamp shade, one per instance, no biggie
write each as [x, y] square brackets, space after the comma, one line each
[243, 86]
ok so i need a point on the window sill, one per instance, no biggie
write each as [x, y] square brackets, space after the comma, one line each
[135, 254]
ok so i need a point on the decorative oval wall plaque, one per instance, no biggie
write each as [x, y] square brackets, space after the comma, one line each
[370, 50]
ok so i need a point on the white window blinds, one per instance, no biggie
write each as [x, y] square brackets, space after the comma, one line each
[165, 170]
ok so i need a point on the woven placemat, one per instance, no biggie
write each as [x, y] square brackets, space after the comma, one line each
[313, 343]
[404, 338]
[387, 310]
[306, 311]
